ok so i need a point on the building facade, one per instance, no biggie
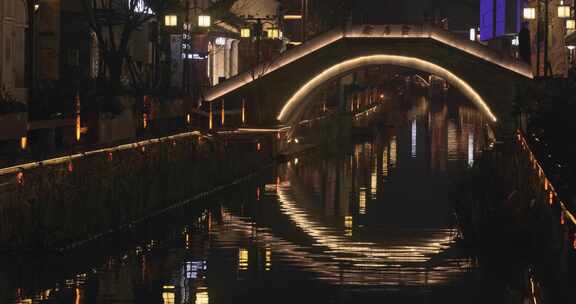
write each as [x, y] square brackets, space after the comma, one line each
[550, 49]
[13, 32]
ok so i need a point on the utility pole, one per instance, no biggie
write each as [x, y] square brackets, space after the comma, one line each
[546, 34]
[538, 38]
[304, 20]
[259, 29]
[31, 47]
[257, 71]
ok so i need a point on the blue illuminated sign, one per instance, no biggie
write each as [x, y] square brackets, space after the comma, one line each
[499, 18]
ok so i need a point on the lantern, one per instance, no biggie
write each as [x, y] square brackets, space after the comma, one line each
[23, 142]
[571, 24]
[245, 33]
[171, 20]
[564, 10]
[274, 33]
[204, 21]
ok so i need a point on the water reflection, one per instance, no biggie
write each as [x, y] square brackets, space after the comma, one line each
[374, 220]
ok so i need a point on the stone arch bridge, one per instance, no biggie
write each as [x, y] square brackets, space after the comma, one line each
[486, 77]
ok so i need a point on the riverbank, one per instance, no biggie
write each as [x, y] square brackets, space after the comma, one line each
[509, 211]
[50, 206]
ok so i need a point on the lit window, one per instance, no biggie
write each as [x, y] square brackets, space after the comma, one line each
[472, 34]
[243, 259]
[169, 298]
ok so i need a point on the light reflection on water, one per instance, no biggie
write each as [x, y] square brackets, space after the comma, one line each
[375, 220]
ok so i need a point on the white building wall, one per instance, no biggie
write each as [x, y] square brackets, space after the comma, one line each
[234, 58]
[223, 60]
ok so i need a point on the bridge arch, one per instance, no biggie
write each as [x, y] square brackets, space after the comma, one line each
[489, 79]
[293, 107]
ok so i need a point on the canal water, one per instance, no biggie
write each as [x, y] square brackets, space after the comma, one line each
[370, 223]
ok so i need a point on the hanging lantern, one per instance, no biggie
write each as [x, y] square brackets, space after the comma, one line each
[23, 142]
[210, 118]
[243, 111]
[564, 11]
[529, 13]
[222, 114]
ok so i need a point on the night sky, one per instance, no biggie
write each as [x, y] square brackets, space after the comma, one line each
[462, 14]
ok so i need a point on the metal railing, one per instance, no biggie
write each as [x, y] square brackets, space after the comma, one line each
[68, 158]
[567, 216]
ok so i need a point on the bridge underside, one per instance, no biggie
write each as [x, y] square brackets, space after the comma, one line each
[276, 92]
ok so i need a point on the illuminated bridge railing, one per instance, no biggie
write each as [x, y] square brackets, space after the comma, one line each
[567, 218]
[375, 32]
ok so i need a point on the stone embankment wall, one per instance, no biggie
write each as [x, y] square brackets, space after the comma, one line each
[54, 205]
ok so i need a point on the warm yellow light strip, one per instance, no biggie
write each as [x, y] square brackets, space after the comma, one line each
[292, 17]
[287, 113]
[68, 158]
[266, 68]
[375, 32]
[419, 252]
[532, 156]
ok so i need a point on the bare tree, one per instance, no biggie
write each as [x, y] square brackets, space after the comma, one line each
[114, 22]
[262, 64]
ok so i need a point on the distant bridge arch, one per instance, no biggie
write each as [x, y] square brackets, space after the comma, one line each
[291, 110]
[486, 77]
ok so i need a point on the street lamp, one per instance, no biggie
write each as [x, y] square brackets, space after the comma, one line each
[564, 11]
[245, 33]
[529, 13]
[204, 21]
[571, 24]
[171, 20]
[274, 33]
